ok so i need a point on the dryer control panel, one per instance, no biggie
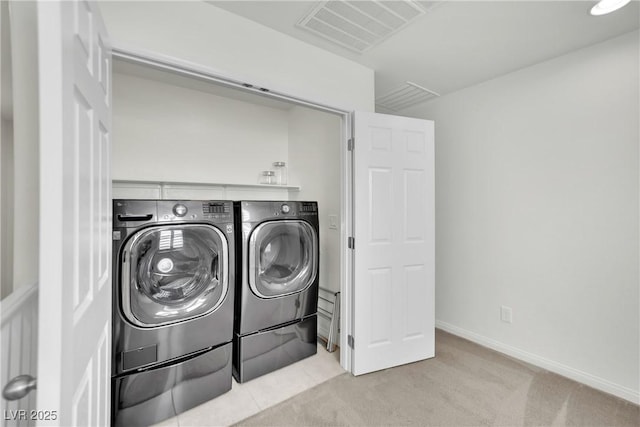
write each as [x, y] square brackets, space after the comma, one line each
[297, 208]
[308, 209]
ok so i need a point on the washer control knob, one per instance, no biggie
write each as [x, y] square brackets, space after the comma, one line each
[285, 209]
[180, 210]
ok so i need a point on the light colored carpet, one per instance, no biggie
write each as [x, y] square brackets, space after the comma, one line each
[464, 385]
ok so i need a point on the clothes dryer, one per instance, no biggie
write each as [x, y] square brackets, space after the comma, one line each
[173, 302]
[277, 285]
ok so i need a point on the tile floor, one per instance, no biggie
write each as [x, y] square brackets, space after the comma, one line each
[245, 400]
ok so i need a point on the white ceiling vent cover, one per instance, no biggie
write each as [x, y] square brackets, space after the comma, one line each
[359, 25]
[405, 96]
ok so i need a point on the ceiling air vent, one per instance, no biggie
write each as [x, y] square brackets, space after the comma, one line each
[405, 96]
[359, 25]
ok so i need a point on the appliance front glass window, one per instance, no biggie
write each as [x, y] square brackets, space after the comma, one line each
[283, 258]
[175, 273]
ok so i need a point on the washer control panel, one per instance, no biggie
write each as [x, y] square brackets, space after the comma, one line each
[215, 208]
[197, 210]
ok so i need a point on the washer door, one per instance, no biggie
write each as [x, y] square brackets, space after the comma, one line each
[283, 258]
[173, 273]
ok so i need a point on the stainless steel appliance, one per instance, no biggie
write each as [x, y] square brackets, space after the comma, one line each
[276, 287]
[173, 302]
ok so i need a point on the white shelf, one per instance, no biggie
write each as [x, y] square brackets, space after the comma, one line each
[206, 184]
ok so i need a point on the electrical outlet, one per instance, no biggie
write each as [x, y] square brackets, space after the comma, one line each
[333, 222]
[506, 314]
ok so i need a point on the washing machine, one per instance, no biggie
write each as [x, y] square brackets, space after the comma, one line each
[277, 249]
[173, 303]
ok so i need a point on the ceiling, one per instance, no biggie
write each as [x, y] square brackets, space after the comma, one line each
[457, 44]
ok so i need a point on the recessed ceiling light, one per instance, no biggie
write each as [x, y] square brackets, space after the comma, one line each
[607, 6]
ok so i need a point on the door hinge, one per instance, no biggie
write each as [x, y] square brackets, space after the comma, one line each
[350, 144]
[350, 341]
[351, 243]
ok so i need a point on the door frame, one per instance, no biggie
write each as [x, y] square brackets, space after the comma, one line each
[188, 69]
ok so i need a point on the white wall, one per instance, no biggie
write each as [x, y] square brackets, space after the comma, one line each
[315, 139]
[6, 155]
[537, 198]
[6, 208]
[163, 132]
[234, 46]
[26, 140]
[314, 163]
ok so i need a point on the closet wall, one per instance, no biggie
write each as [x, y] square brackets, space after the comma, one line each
[314, 155]
[214, 142]
[172, 133]
[315, 141]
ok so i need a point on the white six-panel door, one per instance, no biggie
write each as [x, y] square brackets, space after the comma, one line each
[393, 318]
[75, 227]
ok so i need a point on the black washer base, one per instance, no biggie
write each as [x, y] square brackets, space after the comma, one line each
[150, 396]
[266, 351]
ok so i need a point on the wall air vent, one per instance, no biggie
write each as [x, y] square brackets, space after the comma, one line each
[405, 96]
[359, 25]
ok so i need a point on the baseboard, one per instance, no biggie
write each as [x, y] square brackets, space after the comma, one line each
[550, 365]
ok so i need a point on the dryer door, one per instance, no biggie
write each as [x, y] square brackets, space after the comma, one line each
[283, 258]
[173, 273]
